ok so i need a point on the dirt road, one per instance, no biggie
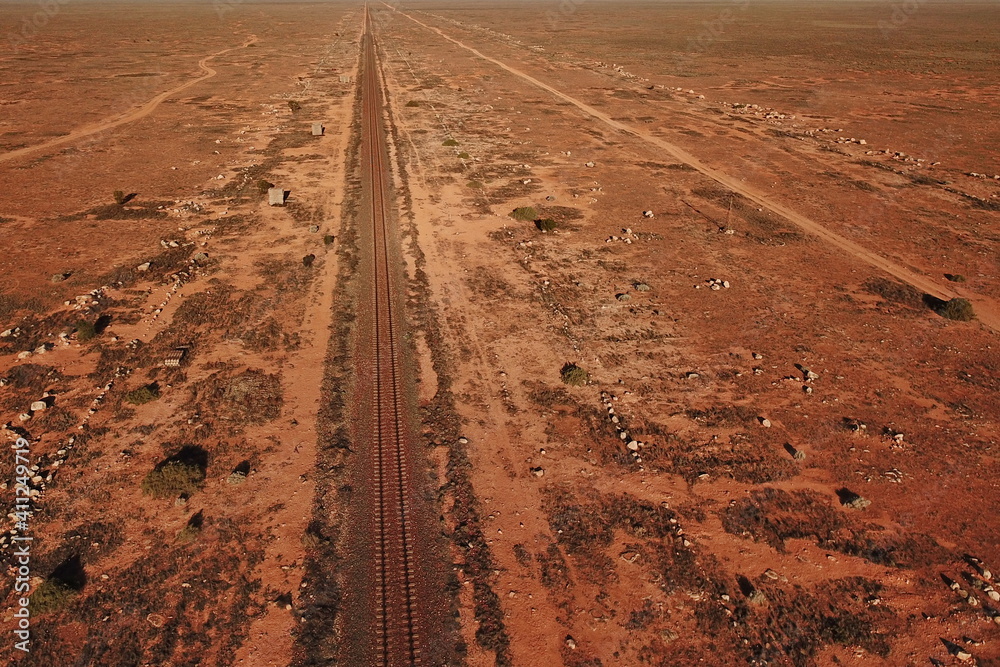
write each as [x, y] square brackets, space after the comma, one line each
[143, 111]
[987, 310]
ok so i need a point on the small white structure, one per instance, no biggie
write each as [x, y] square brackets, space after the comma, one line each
[276, 196]
[318, 129]
[176, 356]
[346, 78]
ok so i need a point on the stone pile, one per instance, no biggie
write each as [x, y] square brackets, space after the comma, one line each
[765, 113]
[45, 468]
[715, 284]
[627, 237]
[631, 444]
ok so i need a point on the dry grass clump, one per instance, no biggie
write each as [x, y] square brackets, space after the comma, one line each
[572, 374]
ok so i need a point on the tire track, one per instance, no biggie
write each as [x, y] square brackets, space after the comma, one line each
[129, 116]
[987, 310]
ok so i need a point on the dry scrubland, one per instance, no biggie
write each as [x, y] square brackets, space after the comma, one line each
[808, 453]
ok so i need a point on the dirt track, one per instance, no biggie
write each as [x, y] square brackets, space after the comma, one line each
[143, 111]
[987, 309]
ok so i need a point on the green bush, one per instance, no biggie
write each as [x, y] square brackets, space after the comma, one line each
[308, 260]
[449, 142]
[173, 478]
[957, 309]
[119, 197]
[526, 213]
[294, 106]
[52, 595]
[85, 330]
[413, 103]
[463, 155]
[574, 375]
[328, 239]
[143, 395]
[545, 224]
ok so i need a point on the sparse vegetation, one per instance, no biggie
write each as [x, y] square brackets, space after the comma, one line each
[956, 309]
[85, 331]
[308, 260]
[192, 530]
[328, 239]
[52, 595]
[294, 106]
[545, 224]
[463, 155]
[574, 375]
[525, 213]
[172, 478]
[449, 142]
[143, 395]
[955, 277]
[413, 103]
[119, 197]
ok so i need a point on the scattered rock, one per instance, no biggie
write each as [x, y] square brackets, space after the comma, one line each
[623, 297]
[538, 472]
[570, 642]
[765, 422]
[313, 229]
[642, 287]
[647, 214]
[38, 406]
[59, 277]
[200, 257]
[589, 164]
[143, 267]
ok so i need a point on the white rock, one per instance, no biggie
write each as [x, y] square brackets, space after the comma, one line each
[38, 406]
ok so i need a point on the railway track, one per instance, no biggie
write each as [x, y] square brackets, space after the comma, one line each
[395, 637]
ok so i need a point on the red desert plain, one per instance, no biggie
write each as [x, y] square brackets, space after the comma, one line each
[570, 332]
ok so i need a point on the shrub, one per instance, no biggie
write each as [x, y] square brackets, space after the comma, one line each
[263, 185]
[143, 395]
[956, 309]
[328, 239]
[955, 277]
[526, 213]
[192, 530]
[294, 106]
[449, 142]
[119, 197]
[463, 155]
[52, 595]
[308, 260]
[172, 478]
[85, 330]
[574, 375]
[413, 103]
[475, 185]
[545, 224]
